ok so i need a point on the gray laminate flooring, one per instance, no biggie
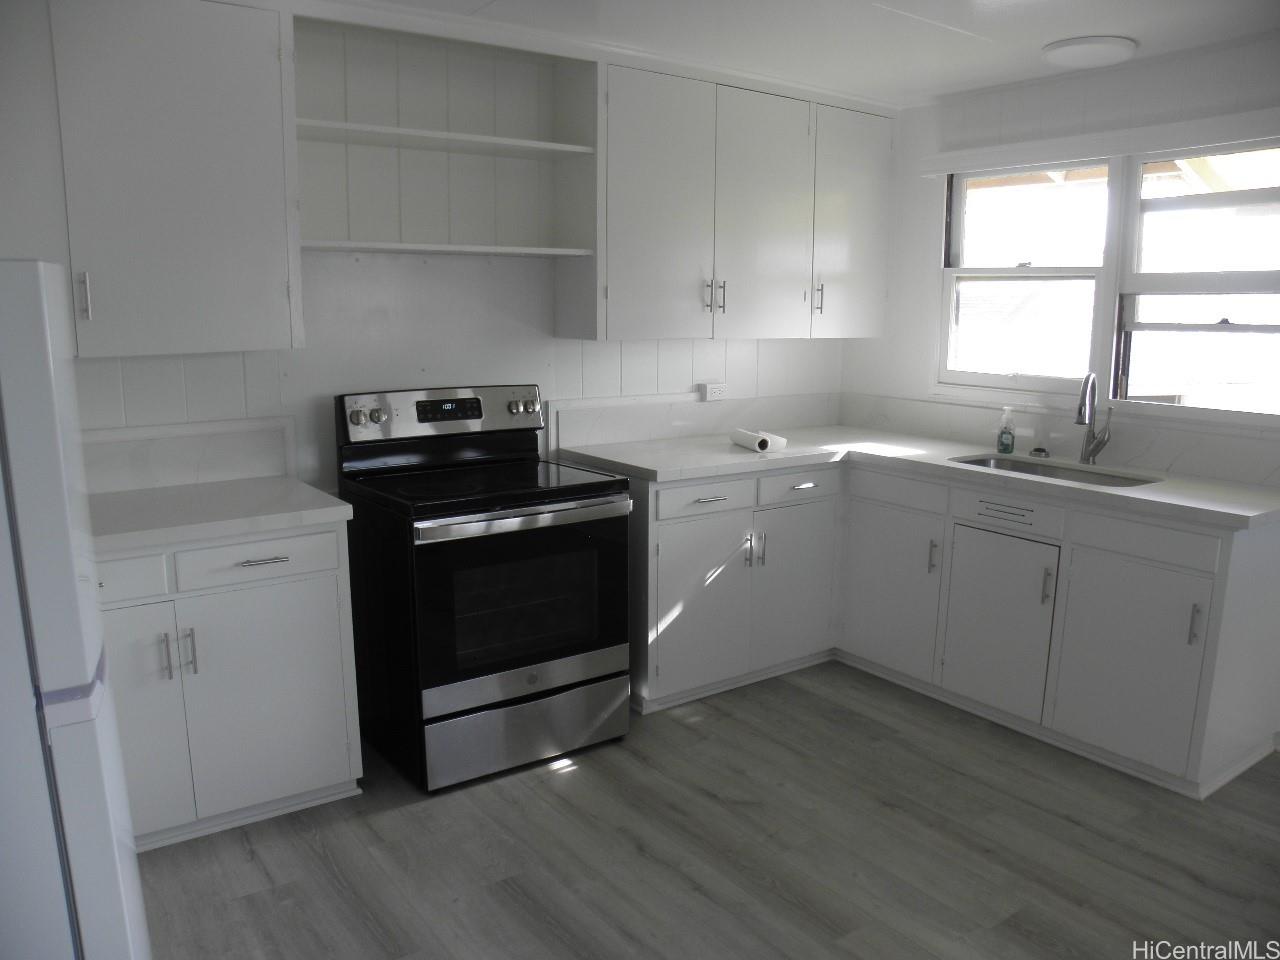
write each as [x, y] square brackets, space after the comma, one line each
[822, 814]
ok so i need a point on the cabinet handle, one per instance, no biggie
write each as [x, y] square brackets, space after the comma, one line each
[933, 552]
[709, 304]
[1045, 592]
[191, 639]
[168, 656]
[710, 499]
[724, 294]
[821, 297]
[805, 486]
[1192, 633]
[763, 540]
[751, 549]
[88, 301]
[263, 562]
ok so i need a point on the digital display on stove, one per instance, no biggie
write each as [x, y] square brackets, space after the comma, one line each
[462, 408]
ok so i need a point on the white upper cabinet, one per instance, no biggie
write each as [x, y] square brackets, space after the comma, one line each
[661, 205]
[178, 175]
[763, 215]
[850, 223]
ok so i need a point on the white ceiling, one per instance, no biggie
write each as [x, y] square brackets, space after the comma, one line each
[897, 52]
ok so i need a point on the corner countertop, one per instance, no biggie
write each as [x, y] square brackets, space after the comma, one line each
[1187, 499]
[128, 519]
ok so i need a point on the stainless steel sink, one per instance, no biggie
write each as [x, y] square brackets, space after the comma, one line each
[1055, 471]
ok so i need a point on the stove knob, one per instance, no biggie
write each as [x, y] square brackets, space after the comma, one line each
[515, 406]
[532, 406]
[377, 415]
[358, 418]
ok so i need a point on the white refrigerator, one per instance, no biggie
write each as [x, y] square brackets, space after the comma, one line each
[69, 884]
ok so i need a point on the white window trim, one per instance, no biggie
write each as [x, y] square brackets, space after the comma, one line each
[1116, 278]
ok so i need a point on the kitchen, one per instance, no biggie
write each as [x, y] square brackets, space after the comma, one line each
[854, 664]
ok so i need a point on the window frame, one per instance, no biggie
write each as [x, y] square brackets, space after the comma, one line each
[1117, 282]
[953, 253]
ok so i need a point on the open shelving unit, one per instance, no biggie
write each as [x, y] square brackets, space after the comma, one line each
[409, 144]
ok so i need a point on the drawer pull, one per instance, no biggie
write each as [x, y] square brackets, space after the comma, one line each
[1193, 634]
[707, 500]
[809, 485]
[263, 562]
[933, 552]
[1045, 591]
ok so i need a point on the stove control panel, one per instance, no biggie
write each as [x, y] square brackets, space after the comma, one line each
[421, 413]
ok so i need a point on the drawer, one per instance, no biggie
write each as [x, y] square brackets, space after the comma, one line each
[1010, 512]
[705, 498]
[902, 491]
[132, 577]
[259, 560]
[1196, 551]
[791, 487]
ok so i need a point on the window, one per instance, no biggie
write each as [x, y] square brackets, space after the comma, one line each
[1180, 291]
[1021, 292]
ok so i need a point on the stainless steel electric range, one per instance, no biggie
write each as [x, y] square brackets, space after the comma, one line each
[489, 586]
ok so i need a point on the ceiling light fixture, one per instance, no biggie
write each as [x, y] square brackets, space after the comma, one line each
[1080, 53]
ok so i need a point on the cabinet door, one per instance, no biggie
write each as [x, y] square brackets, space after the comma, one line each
[1132, 649]
[999, 618]
[703, 630]
[661, 205]
[145, 681]
[266, 716]
[764, 215]
[850, 223]
[791, 582]
[894, 580]
[173, 141]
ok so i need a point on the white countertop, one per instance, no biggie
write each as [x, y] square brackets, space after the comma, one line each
[1189, 499]
[128, 519]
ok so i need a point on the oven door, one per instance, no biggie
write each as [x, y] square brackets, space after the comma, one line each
[513, 603]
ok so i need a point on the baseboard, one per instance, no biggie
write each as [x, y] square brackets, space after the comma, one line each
[238, 818]
[1181, 785]
[720, 686]
[1224, 776]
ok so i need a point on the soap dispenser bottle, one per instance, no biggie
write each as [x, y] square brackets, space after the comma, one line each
[1004, 436]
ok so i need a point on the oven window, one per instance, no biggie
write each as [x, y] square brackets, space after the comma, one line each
[522, 609]
[495, 603]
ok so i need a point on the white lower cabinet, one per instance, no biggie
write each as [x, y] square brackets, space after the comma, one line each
[892, 586]
[1132, 652]
[703, 629]
[741, 590]
[999, 619]
[266, 712]
[144, 674]
[228, 700]
[791, 582]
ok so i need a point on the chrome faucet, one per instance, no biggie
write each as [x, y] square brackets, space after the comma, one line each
[1087, 416]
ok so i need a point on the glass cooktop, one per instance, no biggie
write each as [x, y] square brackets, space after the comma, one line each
[493, 486]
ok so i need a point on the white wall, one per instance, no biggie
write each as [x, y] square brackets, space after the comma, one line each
[890, 382]
[378, 321]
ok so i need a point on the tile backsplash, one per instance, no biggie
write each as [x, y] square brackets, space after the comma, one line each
[378, 321]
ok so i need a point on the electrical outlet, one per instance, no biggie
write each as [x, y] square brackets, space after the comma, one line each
[713, 391]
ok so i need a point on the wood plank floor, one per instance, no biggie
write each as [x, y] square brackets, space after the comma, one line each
[822, 814]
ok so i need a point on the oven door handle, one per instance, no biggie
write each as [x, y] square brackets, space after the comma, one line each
[525, 518]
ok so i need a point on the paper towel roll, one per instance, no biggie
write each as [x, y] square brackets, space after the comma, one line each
[758, 442]
[776, 442]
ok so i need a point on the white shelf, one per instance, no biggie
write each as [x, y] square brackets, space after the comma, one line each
[369, 246]
[367, 134]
